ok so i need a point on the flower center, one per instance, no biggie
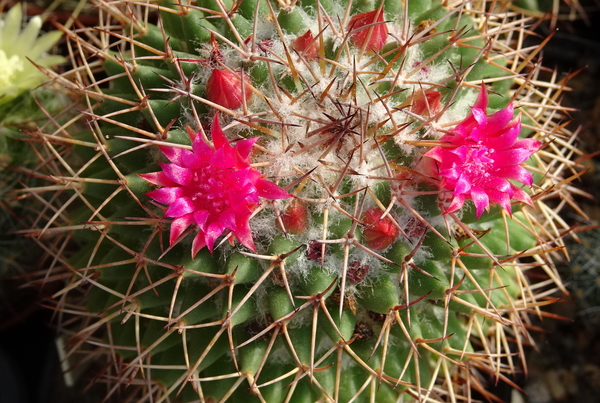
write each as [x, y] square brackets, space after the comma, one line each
[209, 189]
[479, 162]
[9, 67]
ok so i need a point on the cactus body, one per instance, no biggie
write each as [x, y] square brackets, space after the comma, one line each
[358, 282]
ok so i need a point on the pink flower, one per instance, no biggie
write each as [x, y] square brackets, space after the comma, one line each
[480, 157]
[368, 30]
[214, 188]
[225, 88]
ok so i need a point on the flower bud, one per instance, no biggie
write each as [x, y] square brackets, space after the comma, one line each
[224, 88]
[374, 35]
[426, 103]
[378, 233]
[307, 46]
[295, 218]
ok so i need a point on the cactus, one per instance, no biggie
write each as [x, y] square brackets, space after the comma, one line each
[304, 201]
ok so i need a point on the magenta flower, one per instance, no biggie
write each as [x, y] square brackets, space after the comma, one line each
[481, 155]
[214, 188]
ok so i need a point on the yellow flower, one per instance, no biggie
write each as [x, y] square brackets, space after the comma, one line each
[17, 73]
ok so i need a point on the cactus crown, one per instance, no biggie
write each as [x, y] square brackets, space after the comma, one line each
[259, 196]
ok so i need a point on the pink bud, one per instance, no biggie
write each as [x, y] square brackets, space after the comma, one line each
[295, 218]
[374, 35]
[378, 233]
[225, 88]
[426, 103]
[307, 46]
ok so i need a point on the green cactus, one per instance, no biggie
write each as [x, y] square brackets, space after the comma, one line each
[369, 280]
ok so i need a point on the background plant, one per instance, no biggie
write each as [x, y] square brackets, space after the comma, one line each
[329, 306]
[24, 50]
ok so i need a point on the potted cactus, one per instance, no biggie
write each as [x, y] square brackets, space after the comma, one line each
[304, 201]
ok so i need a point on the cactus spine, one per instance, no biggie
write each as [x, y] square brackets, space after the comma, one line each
[359, 281]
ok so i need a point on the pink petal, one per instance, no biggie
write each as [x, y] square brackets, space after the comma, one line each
[202, 150]
[218, 136]
[482, 154]
[437, 153]
[502, 118]
[479, 116]
[244, 147]
[482, 99]
[520, 195]
[461, 152]
[501, 198]
[198, 243]
[463, 185]
[530, 145]
[480, 199]
[515, 172]
[227, 219]
[511, 157]
[166, 195]
[175, 154]
[158, 178]
[244, 235]
[178, 226]
[180, 207]
[237, 180]
[271, 191]
[177, 174]
[223, 160]
[457, 202]
[214, 230]
[492, 182]
[200, 218]
[481, 103]
[192, 161]
[506, 139]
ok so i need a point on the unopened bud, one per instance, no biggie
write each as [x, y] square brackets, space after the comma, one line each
[295, 218]
[368, 30]
[378, 233]
[225, 88]
[426, 103]
[307, 46]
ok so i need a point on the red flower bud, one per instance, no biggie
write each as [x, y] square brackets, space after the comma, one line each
[307, 46]
[295, 218]
[225, 88]
[374, 34]
[426, 103]
[378, 233]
